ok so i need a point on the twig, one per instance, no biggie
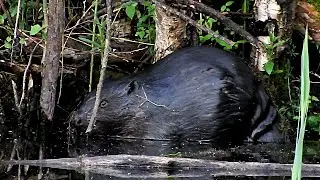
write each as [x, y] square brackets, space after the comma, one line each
[15, 94]
[113, 38]
[13, 153]
[79, 20]
[15, 67]
[40, 158]
[45, 12]
[25, 74]
[19, 167]
[132, 51]
[30, 38]
[44, 24]
[6, 12]
[15, 28]
[313, 82]
[244, 15]
[147, 100]
[95, 19]
[316, 75]
[103, 66]
[227, 22]
[128, 40]
[63, 47]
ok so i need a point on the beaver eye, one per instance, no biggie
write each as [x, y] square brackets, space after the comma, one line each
[103, 103]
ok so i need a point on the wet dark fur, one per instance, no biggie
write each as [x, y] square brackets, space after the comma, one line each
[197, 93]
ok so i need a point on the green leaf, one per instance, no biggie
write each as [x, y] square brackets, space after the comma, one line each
[303, 110]
[200, 21]
[174, 155]
[35, 29]
[245, 7]
[140, 34]
[13, 10]
[279, 43]
[314, 98]
[205, 38]
[44, 35]
[223, 8]
[296, 118]
[278, 71]
[8, 39]
[138, 13]
[7, 45]
[90, 42]
[224, 44]
[130, 10]
[241, 41]
[209, 22]
[1, 19]
[146, 3]
[31, 4]
[313, 122]
[151, 9]
[142, 20]
[229, 3]
[236, 44]
[126, 4]
[23, 41]
[227, 48]
[269, 67]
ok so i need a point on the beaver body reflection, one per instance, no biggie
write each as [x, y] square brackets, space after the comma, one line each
[194, 94]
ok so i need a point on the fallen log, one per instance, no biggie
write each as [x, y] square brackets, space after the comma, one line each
[135, 166]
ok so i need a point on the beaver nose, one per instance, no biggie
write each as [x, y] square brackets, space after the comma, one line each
[79, 119]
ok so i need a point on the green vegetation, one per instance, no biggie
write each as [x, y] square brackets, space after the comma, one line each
[274, 43]
[304, 104]
[290, 110]
[213, 24]
[145, 27]
[28, 23]
[315, 3]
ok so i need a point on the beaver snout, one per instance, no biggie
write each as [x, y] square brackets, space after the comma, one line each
[79, 119]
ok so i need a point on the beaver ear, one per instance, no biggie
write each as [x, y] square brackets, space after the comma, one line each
[131, 87]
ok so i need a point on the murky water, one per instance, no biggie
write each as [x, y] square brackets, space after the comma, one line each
[131, 168]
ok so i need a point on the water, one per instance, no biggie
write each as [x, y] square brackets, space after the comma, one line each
[159, 167]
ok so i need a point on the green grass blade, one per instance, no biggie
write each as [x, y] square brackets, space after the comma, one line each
[304, 95]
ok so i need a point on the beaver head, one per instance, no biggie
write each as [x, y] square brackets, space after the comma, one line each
[115, 104]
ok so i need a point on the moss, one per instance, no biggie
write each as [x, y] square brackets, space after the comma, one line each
[315, 3]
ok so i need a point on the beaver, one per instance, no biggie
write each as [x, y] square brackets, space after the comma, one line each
[201, 94]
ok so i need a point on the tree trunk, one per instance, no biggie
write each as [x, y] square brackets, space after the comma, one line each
[50, 71]
[278, 16]
[170, 31]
